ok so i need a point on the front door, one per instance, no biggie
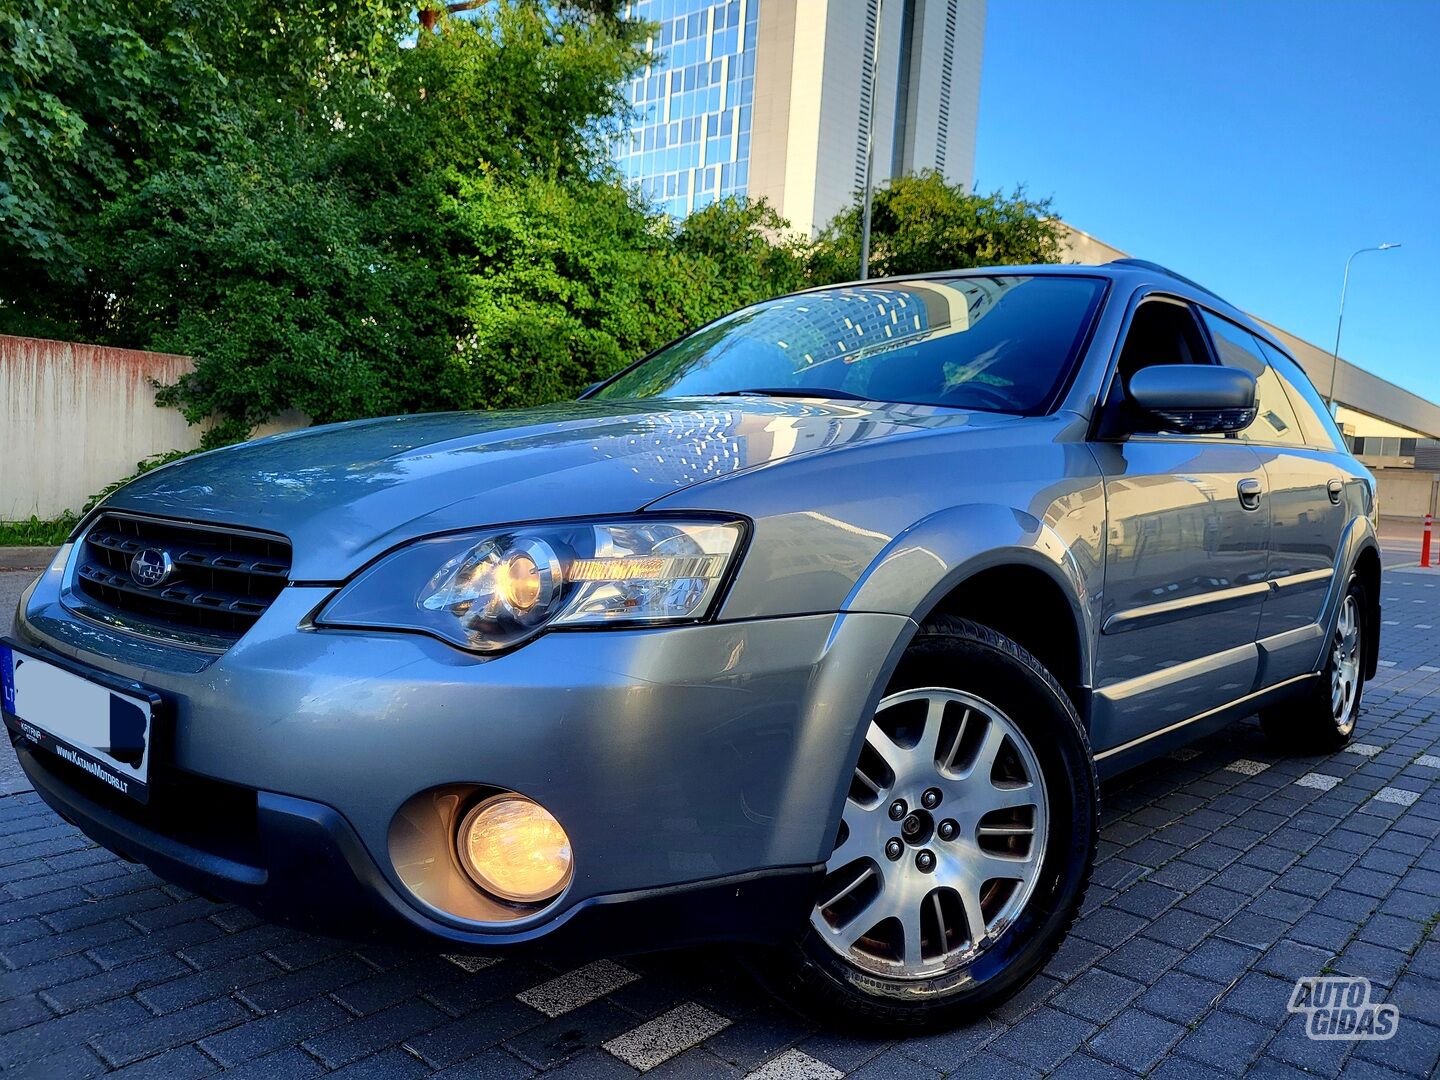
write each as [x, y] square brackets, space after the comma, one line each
[1185, 560]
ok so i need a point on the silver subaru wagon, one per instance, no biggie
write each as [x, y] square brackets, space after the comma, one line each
[812, 630]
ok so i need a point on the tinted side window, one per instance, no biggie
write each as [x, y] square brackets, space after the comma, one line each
[1315, 418]
[1275, 420]
[1161, 332]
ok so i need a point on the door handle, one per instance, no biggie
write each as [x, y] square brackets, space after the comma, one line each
[1336, 488]
[1249, 490]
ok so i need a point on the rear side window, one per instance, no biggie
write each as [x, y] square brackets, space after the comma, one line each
[1315, 418]
[1275, 419]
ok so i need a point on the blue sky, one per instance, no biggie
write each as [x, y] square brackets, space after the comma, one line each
[1249, 145]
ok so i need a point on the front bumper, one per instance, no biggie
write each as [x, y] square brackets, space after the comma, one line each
[700, 765]
[301, 863]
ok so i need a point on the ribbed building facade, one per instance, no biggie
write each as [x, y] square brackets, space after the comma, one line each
[776, 99]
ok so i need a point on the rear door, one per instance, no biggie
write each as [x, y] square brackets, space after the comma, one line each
[1327, 494]
[1309, 496]
[1185, 558]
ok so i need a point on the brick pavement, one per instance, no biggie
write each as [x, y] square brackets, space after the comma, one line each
[1225, 871]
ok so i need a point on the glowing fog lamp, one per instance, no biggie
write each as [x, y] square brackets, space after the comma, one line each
[515, 849]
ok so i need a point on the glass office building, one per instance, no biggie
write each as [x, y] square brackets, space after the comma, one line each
[777, 99]
[690, 144]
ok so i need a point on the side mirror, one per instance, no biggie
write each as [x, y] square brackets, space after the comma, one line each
[1195, 399]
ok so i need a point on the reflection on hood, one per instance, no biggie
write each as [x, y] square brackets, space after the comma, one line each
[347, 491]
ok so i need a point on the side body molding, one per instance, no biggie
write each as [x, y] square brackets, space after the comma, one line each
[929, 560]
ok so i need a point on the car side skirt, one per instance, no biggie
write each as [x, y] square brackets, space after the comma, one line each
[1145, 748]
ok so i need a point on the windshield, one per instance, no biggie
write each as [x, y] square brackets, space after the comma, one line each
[1002, 343]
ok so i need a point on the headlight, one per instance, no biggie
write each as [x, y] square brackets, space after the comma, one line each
[490, 591]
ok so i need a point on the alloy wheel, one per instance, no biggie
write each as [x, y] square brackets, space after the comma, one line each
[941, 840]
[1345, 663]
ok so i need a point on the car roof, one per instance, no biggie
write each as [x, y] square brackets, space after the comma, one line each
[1130, 272]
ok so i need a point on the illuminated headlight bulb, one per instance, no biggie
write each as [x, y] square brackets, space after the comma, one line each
[528, 578]
[521, 583]
[515, 849]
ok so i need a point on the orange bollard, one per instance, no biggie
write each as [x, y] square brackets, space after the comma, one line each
[1425, 543]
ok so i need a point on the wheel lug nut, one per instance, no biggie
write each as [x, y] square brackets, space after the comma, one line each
[894, 849]
[925, 862]
[930, 799]
[897, 809]
[948, 829]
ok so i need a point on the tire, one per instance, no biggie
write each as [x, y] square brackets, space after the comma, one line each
[1323, 719]
[962, 696]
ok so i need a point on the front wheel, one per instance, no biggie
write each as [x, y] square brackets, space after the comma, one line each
[964, 845]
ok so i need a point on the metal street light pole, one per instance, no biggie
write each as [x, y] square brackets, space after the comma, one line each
[1339, 322]
[870, 147]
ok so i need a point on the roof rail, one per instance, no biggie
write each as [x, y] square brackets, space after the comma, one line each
[1146, 264]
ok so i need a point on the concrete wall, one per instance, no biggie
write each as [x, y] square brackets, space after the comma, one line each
[1407, 494]
[1077, 246]
[79, 417]
[1358, 423]
[1362, 390]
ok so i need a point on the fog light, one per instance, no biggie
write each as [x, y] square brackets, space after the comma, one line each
[515, 849]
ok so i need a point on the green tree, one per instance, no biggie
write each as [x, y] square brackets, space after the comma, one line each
[921, 224]
[572, 281]
[743, 251]
[358, 207]
[457, 242]
[566, 283]
[349, 255]
[282, 285]
[516, 86]
[98, 96]
[92, 93]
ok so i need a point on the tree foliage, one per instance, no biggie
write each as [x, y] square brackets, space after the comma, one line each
[920, 224]
[99, 96]
[359, 207]
[92, 93]
[282, 285]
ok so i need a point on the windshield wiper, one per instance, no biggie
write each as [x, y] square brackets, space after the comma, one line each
[792, 391]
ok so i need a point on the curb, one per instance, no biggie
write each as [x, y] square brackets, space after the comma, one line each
[26, 558]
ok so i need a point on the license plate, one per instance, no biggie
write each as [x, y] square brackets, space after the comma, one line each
[98, 723]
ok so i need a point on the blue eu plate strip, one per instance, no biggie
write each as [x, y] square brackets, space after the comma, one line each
[7, 679]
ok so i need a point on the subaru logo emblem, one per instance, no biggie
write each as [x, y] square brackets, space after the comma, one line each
[151, 568]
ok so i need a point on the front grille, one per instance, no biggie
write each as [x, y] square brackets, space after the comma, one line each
[221, 582]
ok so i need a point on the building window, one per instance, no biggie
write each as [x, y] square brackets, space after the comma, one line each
[692, 106]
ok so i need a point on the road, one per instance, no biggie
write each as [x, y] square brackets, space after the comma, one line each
[1401, 548]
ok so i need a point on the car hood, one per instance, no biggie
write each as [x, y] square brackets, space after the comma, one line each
[345, 493]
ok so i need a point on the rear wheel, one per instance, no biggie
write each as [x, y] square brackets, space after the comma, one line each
[964, 844]
[1324, 718]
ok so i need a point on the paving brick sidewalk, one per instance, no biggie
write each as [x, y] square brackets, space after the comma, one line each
[1225, 872]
